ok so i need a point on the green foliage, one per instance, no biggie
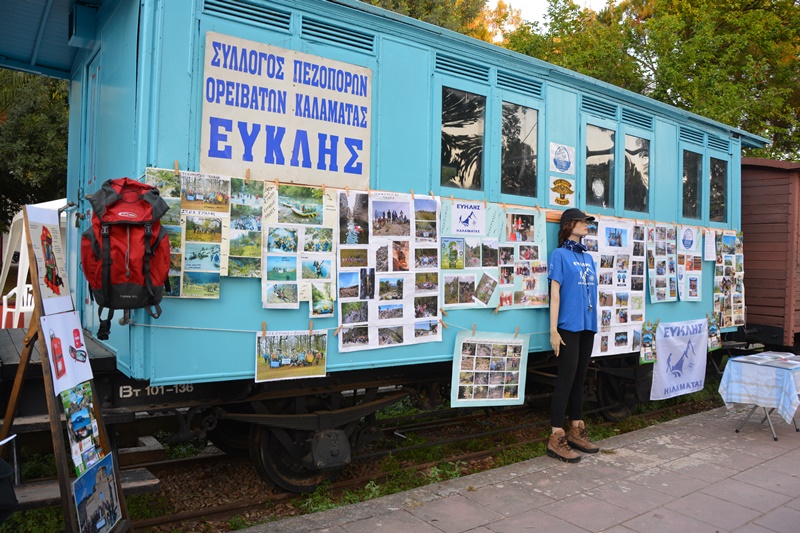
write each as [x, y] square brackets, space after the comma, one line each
[238, 522]
[456, 15]
[144, 506]
[44, 520]
[734, 61]
[519, 453]
[34, 118]
[36, 466]
[179, 450]
[320, 500]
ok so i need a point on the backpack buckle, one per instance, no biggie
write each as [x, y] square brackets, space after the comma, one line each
[105, 229]
[148, 230]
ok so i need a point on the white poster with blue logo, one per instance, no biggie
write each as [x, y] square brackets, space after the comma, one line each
[468, 218]
[681, 364]
[562, 158]
[690, 264]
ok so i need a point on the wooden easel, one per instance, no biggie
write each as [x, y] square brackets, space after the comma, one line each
[63, 463]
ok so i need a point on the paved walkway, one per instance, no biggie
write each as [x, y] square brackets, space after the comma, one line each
[691, 475]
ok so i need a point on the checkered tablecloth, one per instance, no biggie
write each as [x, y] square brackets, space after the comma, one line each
[765, 386]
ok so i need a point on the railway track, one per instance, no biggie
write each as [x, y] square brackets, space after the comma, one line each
[400, 428]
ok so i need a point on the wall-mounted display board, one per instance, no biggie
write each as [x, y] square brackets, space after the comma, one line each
[729, 279]
[618, 249]
[388, 279]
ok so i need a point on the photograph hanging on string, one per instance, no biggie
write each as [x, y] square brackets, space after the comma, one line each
[353, 218]
[283, 355]
[300, 205]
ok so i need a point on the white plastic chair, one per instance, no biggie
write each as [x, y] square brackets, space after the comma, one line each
[23, 306]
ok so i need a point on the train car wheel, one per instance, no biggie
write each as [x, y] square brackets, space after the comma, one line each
[611, 395]
[278, 453]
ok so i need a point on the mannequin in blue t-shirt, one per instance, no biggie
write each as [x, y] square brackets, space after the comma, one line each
[573, 324]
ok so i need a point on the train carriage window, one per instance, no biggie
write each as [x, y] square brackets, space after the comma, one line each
[463, 126]
[600, 149]
[719, 191]
[637, 173]
[520, 138]
[692, 185]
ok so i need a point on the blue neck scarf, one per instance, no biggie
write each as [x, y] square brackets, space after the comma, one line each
[574, 246]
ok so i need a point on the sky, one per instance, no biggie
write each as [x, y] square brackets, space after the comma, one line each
[535, 10]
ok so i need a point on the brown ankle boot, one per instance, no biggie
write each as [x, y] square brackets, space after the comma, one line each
[557, 447]
[578, 438]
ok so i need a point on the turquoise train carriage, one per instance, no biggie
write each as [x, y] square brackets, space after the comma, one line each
[339, 94]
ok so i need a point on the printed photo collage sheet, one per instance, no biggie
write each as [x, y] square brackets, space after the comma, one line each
[729, 279]
[618, 249]
[662, 263]
[298, 264]
[198, 224]
[690, 264]
[486, 369]
[491, 257]
[224, 226]
[388, 278]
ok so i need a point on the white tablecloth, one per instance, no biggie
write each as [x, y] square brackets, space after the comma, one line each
[765, 386]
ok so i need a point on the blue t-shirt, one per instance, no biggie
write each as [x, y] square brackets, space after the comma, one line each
[576, 273]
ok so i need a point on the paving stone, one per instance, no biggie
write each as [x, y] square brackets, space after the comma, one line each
[782, 464]
[746, 495]
[752, 528]
[555, 487]
[455, 514]
[735, 459]
[534, 521]
[713, 510]
[636, 498]
[588, 512]
[768, 479]
[668, 481]
[660, 520]
[631, 460]
[700, 469]
[508, 499]
[390, 523]
[783, 520]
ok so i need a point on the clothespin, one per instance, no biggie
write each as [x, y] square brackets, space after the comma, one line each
[323, 189]
[496, 309]
[177, 171]
[412, 194]
[442, 323]
[432, 195]
[369, 191]
[516, 332]
[335, 333]
[310, 327]
[276, 184]
[473, 328]
[263, 329]
[247, 176]
[452, 200]
[443, 311]
[347, 190]
[484, 203]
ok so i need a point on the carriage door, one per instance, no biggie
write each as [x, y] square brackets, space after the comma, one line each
[88, 178]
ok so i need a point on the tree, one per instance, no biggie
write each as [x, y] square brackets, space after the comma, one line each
[734, 61]
[33, 141]
[456, 15]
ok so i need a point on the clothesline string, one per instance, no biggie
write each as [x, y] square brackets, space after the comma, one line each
[225, 330]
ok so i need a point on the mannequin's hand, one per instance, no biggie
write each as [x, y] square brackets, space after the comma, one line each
[556, 342]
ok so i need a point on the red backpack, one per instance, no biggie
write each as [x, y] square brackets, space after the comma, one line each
[125, 253]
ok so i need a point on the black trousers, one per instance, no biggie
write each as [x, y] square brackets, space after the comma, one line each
[573, 362]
